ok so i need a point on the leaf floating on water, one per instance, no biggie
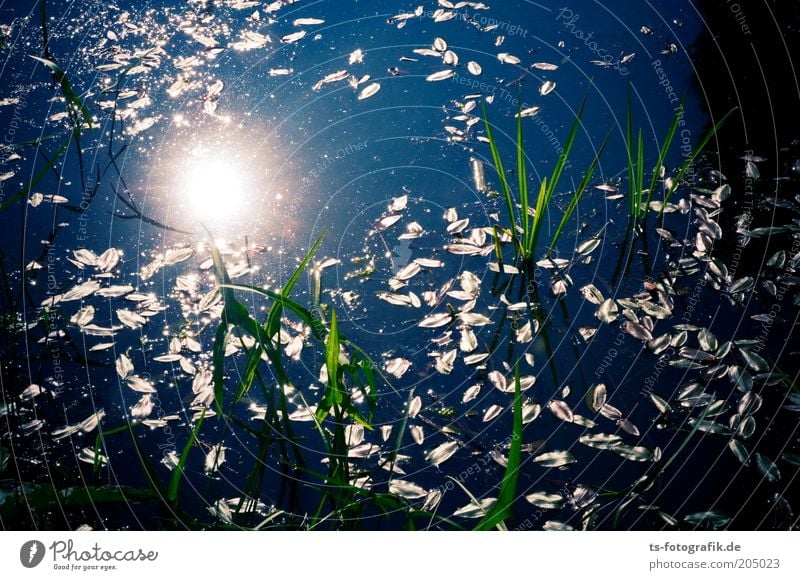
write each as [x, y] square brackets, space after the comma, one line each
[441, 75]
[598, 397]
[547, 88]
[215, 458]
[555, 459]
[83, 316]
[85, 257]
[124, 366]
[408, 271]
[492, 412]
[293, 37]
[561, 410]
[474, 319]
[471, 393]
[530, 411]
[592, 294]
[307, 21]
[740, 451]
[468, 342]
[475, 510]
[767, 468]
[130, 319]
[143, 408]
[406, 489]
[608, 311]
[546, 501]
[414, 407]
[81, 291]
[506, 58]
[556, 526]
[436, 320]
[442, 453]
[528, 112]
[601, 440]
[167, 358]
[175, 255]
[369, 91]
[397, 367]
[429, 263]
[712, 519]
[499, 382]
[139, 385]
[115, 291]
[633, 453]
[417, 434]
[444, 363]
[661, 404]
[637, 331]
[627, 426]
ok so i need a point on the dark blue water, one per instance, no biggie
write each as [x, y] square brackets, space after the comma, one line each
[267, 162]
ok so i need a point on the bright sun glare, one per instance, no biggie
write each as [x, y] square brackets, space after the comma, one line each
[215, 190]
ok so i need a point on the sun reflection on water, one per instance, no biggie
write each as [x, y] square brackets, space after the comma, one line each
[215, 190]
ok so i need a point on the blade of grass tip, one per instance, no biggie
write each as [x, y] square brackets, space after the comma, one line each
[662, 154]
[333, 396]
[45, 38]
[275, 313]
[640, 174]
[522, 180]
[177, 474]
[317, 328]
[12, 199]
[631, 168]
[69, 93]
[562, 159]
[579, 192]
[690, 160]
[503, 508]
[471, 496]
[398, 438]
[233, 314]
[538, 217]
[501, 174]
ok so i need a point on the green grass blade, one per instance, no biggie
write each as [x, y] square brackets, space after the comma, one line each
[501, 174]
[275, 313]
[562, 159]
[317, 328]
[578, 193]
[69, 93]
[640, 174]
[177, 473]
[522, 184]
[12, 199]
[538, 217]
[503, 508]
[662, 154]
[690, 160]
[333, 396]
[631, 167]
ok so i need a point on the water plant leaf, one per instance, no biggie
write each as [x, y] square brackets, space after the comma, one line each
[502, 509]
